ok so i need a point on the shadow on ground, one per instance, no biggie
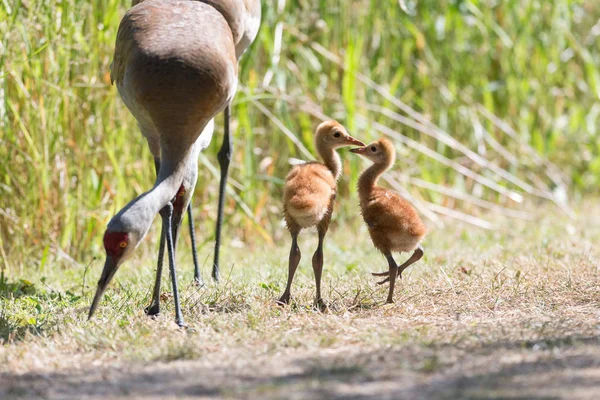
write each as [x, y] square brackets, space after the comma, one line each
[561, 368]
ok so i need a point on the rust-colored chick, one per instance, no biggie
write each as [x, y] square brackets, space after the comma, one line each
[394, 225]
[308, 198]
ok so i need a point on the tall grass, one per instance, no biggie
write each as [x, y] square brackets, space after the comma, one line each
[515, 83]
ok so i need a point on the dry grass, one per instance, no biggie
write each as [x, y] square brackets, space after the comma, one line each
[512, 312]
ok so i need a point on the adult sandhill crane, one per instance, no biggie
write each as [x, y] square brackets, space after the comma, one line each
[308, 197]
[393, 223]
[175, 66]
[243, 17]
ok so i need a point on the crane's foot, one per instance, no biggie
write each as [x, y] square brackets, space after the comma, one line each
[152, 310]
[216, 274]
[180, 322]
[199, 282]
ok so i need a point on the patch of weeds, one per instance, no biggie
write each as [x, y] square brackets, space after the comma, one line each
[400, 338]
[269, 287]
[559, 342]
[179, 351]
[351, 267]
[16, 327]
[254, 320]
[327, 340]
[430, 364]
[334, 372]
[291, 341]
[29, 309]
[13, 290]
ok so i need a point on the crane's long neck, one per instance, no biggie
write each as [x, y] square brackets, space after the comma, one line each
[368, 179]
[137, 216]
[331, 159]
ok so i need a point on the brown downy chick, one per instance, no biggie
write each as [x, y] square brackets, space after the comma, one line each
[394, 225]
[308, 198]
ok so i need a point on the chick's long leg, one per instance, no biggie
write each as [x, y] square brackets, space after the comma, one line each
[392, 276]
[416, 256]
[294, 260]
[317, 262]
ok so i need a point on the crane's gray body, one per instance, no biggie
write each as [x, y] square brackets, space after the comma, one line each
[175, 66]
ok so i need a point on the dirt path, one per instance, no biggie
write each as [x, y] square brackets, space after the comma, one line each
[562, 368]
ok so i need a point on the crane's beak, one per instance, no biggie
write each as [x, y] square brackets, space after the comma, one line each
[354, 142]
[359, 150]
[110, 267]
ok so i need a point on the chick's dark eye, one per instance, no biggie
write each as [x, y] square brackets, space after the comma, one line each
[337, 134]
[373, 149]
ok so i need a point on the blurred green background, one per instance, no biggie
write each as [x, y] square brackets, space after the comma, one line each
[488, 101]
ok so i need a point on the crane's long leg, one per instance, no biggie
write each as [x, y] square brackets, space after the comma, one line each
[197, 275]
[294, 260]
[154, 307]
[224, 157]
[167, 215]
[317, 262]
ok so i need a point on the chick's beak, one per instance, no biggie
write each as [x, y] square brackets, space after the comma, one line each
[110, 267]
[359, 150]
[354, 142]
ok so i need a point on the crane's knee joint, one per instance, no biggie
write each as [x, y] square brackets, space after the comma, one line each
[224, 156]
[167, 211]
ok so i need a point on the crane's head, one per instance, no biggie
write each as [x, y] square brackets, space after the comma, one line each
[332, 134]
[123, 234]
[119, 245]
[381, 151]
[126, 230]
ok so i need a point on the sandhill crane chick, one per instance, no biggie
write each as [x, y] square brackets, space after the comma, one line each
[308, 198]
[394, 225]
